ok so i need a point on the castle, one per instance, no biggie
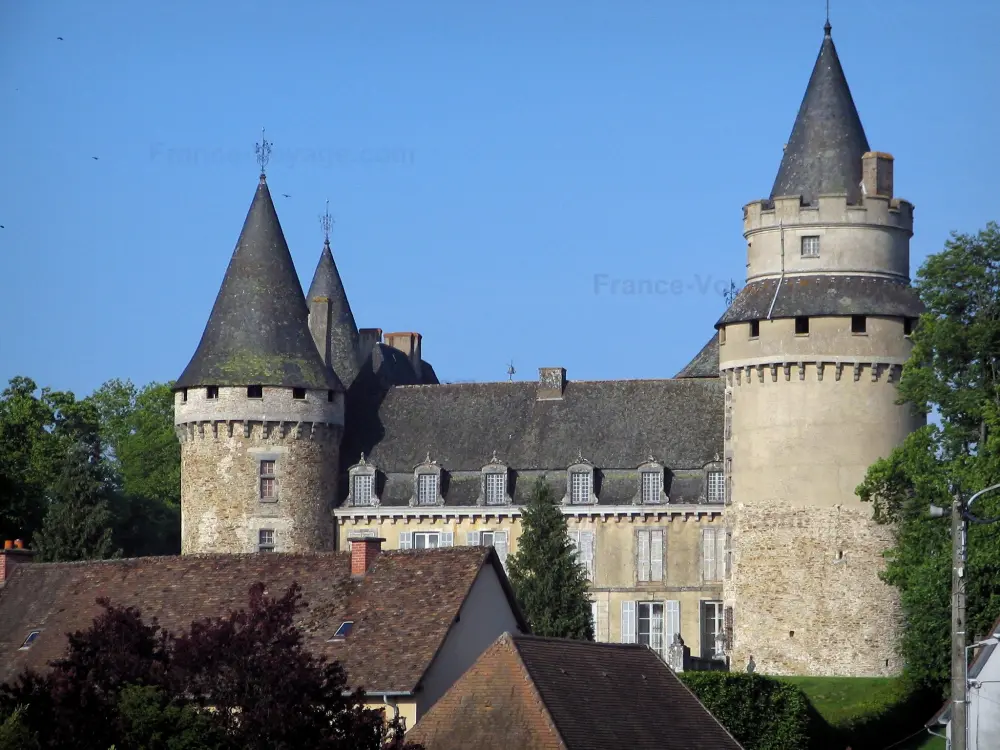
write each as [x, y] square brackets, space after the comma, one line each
[717, 504]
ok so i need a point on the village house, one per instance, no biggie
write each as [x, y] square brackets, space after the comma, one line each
[405, 625]
[528, 693]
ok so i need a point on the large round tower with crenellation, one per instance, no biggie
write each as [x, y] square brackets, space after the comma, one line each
[811, 351]
[259, 413]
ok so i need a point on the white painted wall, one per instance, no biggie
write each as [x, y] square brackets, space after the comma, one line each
[485, 616]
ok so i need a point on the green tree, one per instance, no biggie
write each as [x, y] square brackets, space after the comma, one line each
[78, 523]
[550, 584]
[14, 734]
[952, 371]
[149, 719]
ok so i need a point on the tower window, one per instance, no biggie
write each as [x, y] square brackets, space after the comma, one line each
[754, 329]
[810, 247]
[801, 325]
[299, 394]
[907, 326]
[255, 391]
[211, 392]
[184, 395]
[268, 481]
[329, 396]
[265, 540]
[859, 324]
[722, 335]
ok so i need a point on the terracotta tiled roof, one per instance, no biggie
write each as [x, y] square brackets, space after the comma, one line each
[534, 693]
[402, 609]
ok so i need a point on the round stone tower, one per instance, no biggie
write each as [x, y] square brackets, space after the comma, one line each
[811, 351]
[258, 412]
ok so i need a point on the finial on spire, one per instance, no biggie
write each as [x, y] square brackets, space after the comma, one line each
[827, 27]
[510, 371]
[263, 150]
[326, 221]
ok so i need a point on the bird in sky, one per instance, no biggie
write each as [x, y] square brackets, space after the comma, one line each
[286, 195]
[94, 158]
[59, 38]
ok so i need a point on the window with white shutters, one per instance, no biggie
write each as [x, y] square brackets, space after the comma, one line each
[712, 632]
[406, 540]
[584, 543]
[628, 622]
[652, 485]
[427, 489]
[495, 539]
[496, 488]
[673, 618]
[649, 554]
[713, 552]
[361, 489]
[580, 482]
[602, 624]
[649, 625]
[716, 487]
[428, 539]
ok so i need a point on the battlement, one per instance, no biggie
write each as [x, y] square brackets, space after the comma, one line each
[214, 405]
[877, 210]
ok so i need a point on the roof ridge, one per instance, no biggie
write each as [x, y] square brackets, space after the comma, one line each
[575, 641]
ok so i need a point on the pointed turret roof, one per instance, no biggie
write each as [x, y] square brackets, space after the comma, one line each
[258, 332]
[823, 153]
[343, 333]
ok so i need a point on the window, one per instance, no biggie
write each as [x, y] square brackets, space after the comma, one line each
[754, 329]
[713, 552]
[859, 324]
[427, 489]
[801, 325]
[652, 485]
[728, 554]
[329, 396]
[712, 634]
[649, 554]
[345, 629]
[211, 391]
[361, 489]
[32, 637]
[496, 488]
[268, 482]
[184, 395]
[652, 624]
[583, 541]
[810, 247]
[907, 326]
[426, 539]
[579, 487]
[495, 539]
[716, 487]
[299, 394]
[265, 540]
[722, 335]
[255, 391]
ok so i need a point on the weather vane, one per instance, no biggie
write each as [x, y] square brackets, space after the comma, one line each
[263, 150]
[730, 293]
[510, 371]
[326, 221]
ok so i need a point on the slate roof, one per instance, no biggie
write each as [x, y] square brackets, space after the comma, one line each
[823, 295]
[823, 153]
[531, 692]
[258, 331]
[613, 424]
[343, 334]
[402, 608]
[705, 363]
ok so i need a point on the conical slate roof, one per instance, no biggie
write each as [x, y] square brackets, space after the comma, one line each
[258, 332]
[823, 154]
[343, 336]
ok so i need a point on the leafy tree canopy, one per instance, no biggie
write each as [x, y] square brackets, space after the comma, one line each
[549, 582]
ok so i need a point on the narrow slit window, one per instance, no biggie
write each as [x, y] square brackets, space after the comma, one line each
[801, 325]
[255, 391]
[907, 326]
[299, 394]
[184, 395]
[859, 324]
[329, 396]
[754, 329]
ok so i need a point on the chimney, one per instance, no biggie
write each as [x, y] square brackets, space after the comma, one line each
[551, 383]
[363, 554]
[13, 555]
[367, 338]
[409, 344]
[876, 174]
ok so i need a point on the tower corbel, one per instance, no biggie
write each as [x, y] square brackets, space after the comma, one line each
[839, 369]
[788, 371]
[760, 373]
[819, 370]
[857, 371]
[774, 373]
[802, 370]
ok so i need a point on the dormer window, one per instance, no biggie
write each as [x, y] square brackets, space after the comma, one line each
[716, 489]
[580, 483]
[810, 247]
[651, 483]
[362, 484]
[494, 484]
[427, 483]
[255, 391]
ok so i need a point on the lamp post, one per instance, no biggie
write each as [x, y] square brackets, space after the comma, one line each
[960, 517]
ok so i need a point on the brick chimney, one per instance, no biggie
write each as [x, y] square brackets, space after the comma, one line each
[13, 555]
[409, 344]
[551, 383]
[363, 554]
[876, 173]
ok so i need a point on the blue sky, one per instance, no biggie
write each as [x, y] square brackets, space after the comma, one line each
[485, 164]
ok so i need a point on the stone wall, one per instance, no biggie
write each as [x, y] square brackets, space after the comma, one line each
[221, 507]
